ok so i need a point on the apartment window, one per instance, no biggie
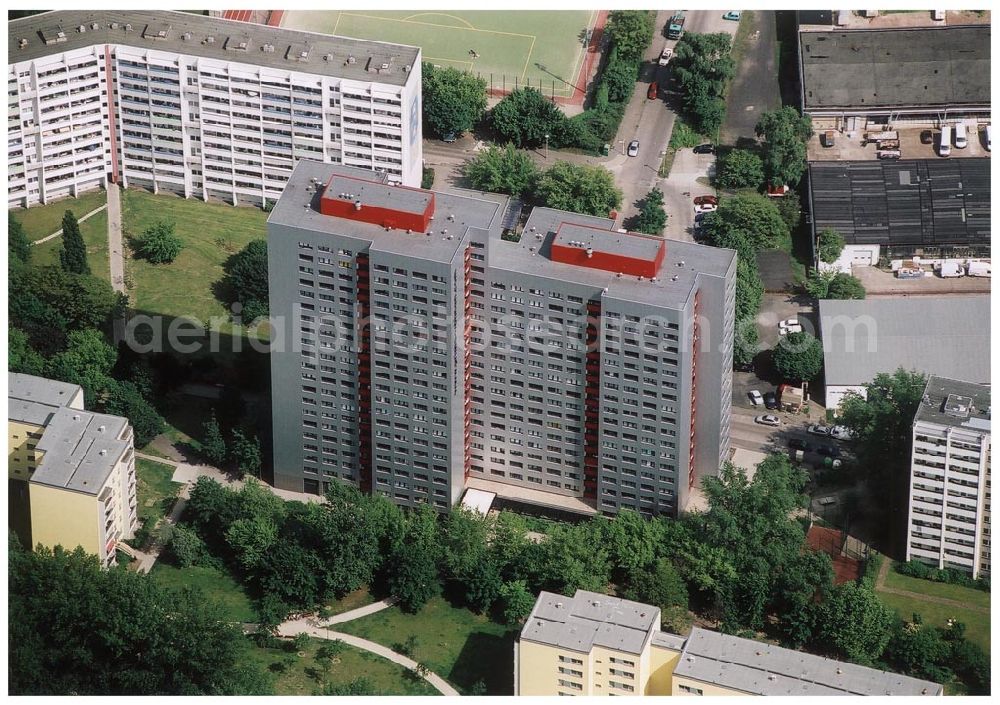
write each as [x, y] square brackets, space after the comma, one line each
[570, 684]
[569, 659]
[690, 690]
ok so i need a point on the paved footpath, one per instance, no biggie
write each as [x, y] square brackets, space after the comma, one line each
[313, 628]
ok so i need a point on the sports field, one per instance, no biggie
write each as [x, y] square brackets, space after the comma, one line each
[543, 49]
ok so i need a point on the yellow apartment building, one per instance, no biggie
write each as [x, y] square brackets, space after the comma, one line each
[592, 644]
[71, 472]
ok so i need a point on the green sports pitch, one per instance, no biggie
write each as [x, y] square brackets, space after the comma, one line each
[543, 49]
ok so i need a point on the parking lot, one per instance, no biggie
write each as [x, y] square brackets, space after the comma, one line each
[748, 434]
[848, 147]
[878, 282]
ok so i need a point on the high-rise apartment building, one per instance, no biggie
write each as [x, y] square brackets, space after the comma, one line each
[422, 348]
[949, 509]
[199, 106]
[593, 644]
[71, 472]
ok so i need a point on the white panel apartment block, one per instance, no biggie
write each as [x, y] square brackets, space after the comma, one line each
[202, 107]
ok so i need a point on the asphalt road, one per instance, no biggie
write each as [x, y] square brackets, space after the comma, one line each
[754, 89]
[651, 122]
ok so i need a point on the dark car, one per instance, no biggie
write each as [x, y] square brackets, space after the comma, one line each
[798, 444]
[704, 149]
[449, 137]
[771, 400]
[829, 451]
[927, 137]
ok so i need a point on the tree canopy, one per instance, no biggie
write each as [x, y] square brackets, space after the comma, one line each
[502, 170]
[785, 134]
[703, 65]
[631, 32]
[740, 168]
[454, 101]
[159, 244]
[854, 624]
[652, 217]
[579, 188]
[746, 223]
[246, 276]
[73, 255]
[845, 286]
[86, 631]
[829, 244]
[525, 116]
[18, 245]
[798, 356]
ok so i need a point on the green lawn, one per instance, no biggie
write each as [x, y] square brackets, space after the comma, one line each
[350, 601]
[977, 624]
[303, 675]
[42, 221]
[216, 584]
[966, 595]
[155, 491]
[211, 233]
[544, 48]
[461, 647]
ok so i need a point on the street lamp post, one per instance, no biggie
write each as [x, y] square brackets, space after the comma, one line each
[546, 145]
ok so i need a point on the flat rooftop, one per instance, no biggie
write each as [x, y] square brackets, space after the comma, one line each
[951, 402]
[211, 38]
[298, 207]
[758, 668]
[674, 284]
[938, 335]
[377, 195]
[896, 68]
[590, 619]
[922, 202]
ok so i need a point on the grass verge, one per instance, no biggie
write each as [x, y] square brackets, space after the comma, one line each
[461, 647]
[216, 584]
[304, 675]
[965, 595]
[42, 221]
[977, 624]
[190, 286]
[156, 492]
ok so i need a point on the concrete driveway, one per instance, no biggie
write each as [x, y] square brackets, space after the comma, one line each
[680, 189]
[754, 89]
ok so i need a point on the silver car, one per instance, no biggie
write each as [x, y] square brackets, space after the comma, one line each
[767, 420]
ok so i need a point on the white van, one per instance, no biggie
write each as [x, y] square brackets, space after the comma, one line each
[961, 137]
[944, 145]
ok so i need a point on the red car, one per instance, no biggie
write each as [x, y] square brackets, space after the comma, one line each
[652, 92]
[706, 200]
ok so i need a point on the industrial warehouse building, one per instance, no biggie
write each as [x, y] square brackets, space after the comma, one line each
[592, 644]
[947, 336]
[853, 77]
[202, 107]
[427, 351]
[897, 209]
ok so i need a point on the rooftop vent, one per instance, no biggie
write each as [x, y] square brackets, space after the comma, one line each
[840, 671]
[101, 428]
[128, 27]
[357, 205]
[957, 406]
[210, 39]
[328, 57]
[103, 451]
[114, 25]
[267, 48]
[82, 28]
[95, 26]
[22, 43]
[351, 60]
[186, 36]
[406, 68]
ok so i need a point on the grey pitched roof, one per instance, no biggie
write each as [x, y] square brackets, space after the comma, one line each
[185, 33]
[951, 402]
[763, 669]
[914, 67]
[941, 335]
[590, 619]
[921, 202]
[80, 447]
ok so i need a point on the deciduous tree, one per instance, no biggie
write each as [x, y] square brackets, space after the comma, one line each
[414, 578]
[741, 168]
[454, 101]
[631, 32]
[18, 245]
[579, 188]
[785, 133]
[525, 116]
[159, 244]
[502, 170]
[213, 444]
[798, 357]
[853, 623]
[845, 286]
[245, 452]
[246, 276]
[829, 245]
[652, 218]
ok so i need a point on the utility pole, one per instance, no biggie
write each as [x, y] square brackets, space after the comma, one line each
[546, 145]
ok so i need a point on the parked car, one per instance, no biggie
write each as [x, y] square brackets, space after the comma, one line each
[748, 367]
[827, 450]
[653, 91]
[706, 208]
[785, 330]
[788, 322]
[927, 137]
[633, 148]
[818, 430]
[771, 400]
[733, 15]
[767, 420]
[704, 149]
[701, 200]
[755, 397]
[665, 56]
[841, 433]
[986, 138]
[798, 444]
[449, 137]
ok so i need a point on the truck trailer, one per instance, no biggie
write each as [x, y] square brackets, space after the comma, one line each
[675, 28]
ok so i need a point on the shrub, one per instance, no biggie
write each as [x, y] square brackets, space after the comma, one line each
[159, 244]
